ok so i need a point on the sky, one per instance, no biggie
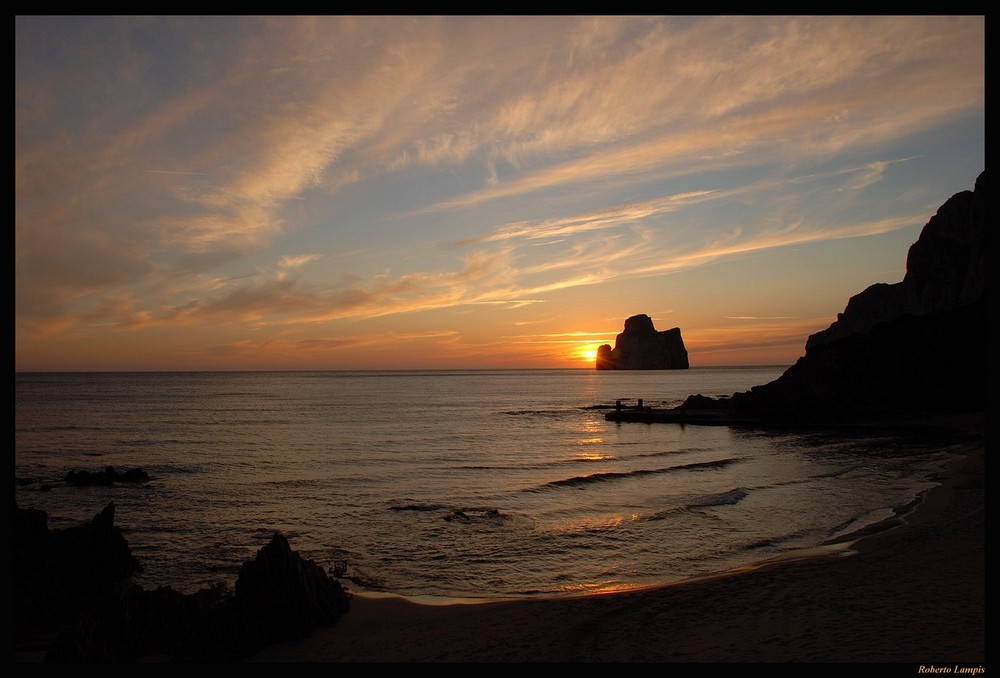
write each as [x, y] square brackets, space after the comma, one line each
[298, 193]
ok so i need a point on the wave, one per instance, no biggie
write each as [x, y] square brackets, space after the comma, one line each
[538, 413]
[672, 453]
[729, 498]
[702, 465]
[779, 542]
[512, 467]
[836, 473]
[486, 516]
[582, 481]
[601, 477]
[492, 517]
[418, 507]
[293, 482]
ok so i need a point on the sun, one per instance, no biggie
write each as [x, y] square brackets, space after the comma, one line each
[587, 353]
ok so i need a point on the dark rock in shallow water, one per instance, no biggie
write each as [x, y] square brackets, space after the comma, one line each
[641, 347]
[108, 476]
[480, 516]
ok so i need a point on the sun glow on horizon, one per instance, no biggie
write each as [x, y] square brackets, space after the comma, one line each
[587, 353]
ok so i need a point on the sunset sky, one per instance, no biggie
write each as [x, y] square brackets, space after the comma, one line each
[233, 193]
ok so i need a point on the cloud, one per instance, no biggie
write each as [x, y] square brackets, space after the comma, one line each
[299, 261]
[603, 219]
[159, 159]
[485, 276]
[760, 336]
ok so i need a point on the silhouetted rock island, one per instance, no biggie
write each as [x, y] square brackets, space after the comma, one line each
[899, 352]
[641, 347]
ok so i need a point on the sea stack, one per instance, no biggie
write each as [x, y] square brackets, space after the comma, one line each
[641, 347]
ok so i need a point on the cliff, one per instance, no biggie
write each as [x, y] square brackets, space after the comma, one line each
[908, 350]
[641, 347]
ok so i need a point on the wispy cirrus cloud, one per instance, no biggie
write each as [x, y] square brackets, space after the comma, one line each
[164, 164]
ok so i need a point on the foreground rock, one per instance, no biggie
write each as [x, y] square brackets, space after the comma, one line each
[73, 587]
[280, 596]
[62, 571]
[641, 347]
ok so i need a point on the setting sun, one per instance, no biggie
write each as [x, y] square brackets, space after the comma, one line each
[587, 353]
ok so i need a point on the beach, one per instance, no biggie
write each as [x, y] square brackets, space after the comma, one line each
[910, 592]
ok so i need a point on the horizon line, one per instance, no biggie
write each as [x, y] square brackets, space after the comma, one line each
[399, 369]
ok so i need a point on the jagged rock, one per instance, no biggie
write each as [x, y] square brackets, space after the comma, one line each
[76, 584]
[63, 568]
[60, 573]
[641, 347]
[281, 596]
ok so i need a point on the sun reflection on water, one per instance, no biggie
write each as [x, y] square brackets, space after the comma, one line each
[600, 588]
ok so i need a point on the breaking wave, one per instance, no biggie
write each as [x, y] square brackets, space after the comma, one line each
[583, 481]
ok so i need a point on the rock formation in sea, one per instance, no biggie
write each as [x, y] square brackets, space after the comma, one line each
[641, 347]
[109, 476]
[907, 350]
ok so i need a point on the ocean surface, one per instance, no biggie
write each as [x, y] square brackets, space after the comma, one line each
[447, 484]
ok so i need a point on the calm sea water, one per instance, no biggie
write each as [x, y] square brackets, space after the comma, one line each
[496, 483]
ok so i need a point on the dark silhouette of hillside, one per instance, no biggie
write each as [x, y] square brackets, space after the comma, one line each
[906, 351]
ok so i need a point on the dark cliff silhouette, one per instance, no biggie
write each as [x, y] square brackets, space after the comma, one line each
[906, 351]
[641, 347]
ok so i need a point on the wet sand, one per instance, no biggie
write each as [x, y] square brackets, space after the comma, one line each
[911, 594]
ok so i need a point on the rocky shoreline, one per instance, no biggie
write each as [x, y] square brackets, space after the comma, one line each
[74, 601]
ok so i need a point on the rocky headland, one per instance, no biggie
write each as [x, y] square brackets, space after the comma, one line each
[908, 351]
[903, 352]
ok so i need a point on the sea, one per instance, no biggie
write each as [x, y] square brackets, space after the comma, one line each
[443, 485]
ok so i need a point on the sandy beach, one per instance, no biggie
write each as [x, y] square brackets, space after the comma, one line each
[911, 593]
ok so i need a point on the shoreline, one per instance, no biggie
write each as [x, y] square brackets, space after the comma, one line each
[911, 590]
